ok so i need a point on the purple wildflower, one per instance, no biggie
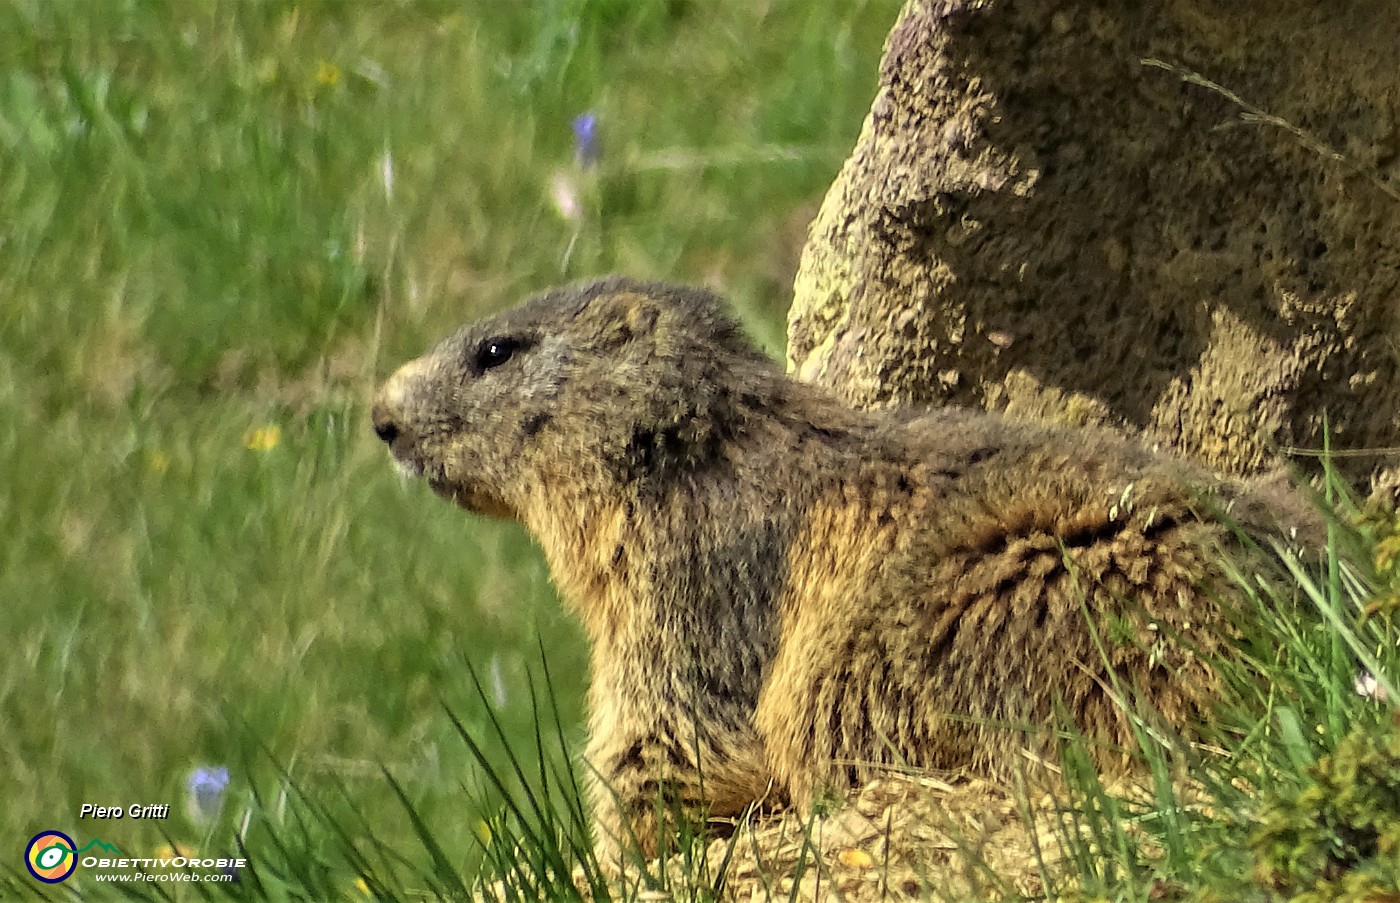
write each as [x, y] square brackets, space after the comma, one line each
[586, 150]
[206, 788]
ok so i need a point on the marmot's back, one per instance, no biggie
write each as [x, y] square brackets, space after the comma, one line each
[1005, 572]
[781, 592]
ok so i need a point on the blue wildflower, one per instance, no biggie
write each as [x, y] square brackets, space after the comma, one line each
[586, 150]
[206, 786]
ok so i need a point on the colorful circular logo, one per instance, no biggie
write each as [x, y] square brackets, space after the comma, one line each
[49, 856]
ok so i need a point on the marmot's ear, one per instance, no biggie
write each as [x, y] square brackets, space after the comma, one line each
[624, 316]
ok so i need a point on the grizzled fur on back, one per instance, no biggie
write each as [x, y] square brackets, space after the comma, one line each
[783, 594]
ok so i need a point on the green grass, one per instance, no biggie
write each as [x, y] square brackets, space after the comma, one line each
[220, 218]
[1295, 793]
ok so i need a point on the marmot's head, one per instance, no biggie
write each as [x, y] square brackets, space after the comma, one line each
[607, 380]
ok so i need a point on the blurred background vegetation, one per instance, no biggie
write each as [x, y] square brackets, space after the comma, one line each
[221, 223]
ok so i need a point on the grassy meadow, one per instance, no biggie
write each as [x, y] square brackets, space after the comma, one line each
[221, 224]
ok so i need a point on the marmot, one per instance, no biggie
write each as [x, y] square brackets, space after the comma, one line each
[784, 594]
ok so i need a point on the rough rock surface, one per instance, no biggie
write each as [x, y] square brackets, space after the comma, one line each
[1039, 219]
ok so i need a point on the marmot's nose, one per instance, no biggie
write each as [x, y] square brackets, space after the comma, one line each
[384, 426]
[393, 410]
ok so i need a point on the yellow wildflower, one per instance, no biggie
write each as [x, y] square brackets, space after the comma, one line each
[157, 461]
[855, 859]
[173, 851]
[264, 438]
[327, 73]
[362, 887]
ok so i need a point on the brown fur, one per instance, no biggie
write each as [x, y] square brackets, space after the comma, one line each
[783, 594]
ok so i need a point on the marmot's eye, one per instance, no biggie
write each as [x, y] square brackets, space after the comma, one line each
[494, 351]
